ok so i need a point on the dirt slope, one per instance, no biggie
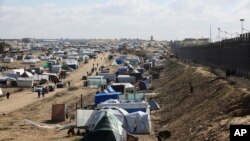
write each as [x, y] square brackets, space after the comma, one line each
[204, 114]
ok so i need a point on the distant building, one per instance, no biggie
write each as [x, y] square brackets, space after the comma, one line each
[151, 38]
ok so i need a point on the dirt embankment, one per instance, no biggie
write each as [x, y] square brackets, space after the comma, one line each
[204, 114]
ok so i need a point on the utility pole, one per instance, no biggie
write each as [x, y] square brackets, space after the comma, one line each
[210, 33]
[242, 20]
[219, 33]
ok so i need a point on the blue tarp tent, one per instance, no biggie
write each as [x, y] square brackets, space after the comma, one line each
[153, 105]
[118, 61]
[101, 97]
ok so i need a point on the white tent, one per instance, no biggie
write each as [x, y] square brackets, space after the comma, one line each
[118, 112]
[138, 122]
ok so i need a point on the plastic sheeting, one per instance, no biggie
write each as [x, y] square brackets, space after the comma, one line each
[138, 122]
[153, 105]
[132, 96]
[97, 82]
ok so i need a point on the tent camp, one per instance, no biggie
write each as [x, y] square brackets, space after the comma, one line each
[105, 126]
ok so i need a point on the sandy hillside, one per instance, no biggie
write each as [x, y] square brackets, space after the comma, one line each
[205, 114]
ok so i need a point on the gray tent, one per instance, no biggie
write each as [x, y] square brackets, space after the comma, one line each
[105, 126]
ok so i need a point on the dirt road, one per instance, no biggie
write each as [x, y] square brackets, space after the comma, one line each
[26, 97]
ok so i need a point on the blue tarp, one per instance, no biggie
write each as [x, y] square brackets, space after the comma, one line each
[153, 105]
[101, 97]
[110, 89]
[118, 61]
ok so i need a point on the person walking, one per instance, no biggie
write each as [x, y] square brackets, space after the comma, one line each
[39, 93]
[68, 83]
[43, 92]
[8, 95]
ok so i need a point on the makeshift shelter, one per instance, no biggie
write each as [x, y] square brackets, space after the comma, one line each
[83, 116]
[31, 61]
[132, 97]
[136, 74]
[128, 105]
[118, 61]
[138, 122]
[27, 74]
[143, 85]
[123, 70]
[153, 105]
[41, 77]
[141, 70]
[105, 126]
[119, 88]
[128, 86]
[125, 79]
[8, 60]
[13, 73]
[147, 65]
[134, 60]
[72, 63]
[108, 76]
[84, 57]
[96, 81]
[118, 112]
[101, 97]
[24, 82]
[6, 81]
[55, 68]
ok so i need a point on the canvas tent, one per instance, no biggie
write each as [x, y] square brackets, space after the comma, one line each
[105, 126]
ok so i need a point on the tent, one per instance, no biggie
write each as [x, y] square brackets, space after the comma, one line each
[118, 112]
[138, 122]
[105, 126]
[101, 97]
[27, 74]
[118, 61]
[143, 85]
[153, 105]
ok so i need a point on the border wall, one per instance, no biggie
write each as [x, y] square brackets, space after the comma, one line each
[230, 54]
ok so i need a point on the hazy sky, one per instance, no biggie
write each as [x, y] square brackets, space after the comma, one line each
[164, 19]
